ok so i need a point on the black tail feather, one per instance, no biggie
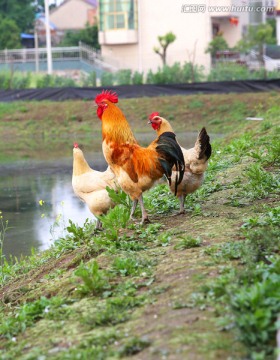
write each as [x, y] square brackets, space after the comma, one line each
[171, 155]
[205, 146]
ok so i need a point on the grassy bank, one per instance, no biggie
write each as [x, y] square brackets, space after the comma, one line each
[31, 130]
[204, 285]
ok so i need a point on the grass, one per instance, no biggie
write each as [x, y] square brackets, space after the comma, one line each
[201, 285]
[58, 124]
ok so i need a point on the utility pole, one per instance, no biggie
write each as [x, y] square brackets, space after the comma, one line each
[48, 37]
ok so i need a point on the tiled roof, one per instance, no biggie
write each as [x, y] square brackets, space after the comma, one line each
[94, 3]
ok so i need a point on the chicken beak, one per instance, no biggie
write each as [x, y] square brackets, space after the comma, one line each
[149, 122]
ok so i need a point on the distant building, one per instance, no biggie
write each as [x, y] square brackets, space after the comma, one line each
[40, 26]
[73, 15]
[128, 29]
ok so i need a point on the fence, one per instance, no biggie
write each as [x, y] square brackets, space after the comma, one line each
[81, 53]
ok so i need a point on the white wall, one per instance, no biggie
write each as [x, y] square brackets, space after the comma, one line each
[157, 17]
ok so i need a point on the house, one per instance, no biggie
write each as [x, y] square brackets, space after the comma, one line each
[128, 29]
[40, 26]
[73, 15]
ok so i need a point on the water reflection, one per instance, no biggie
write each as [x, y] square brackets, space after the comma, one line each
[32, 225]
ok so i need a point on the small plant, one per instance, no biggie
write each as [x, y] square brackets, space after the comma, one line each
[95, 281]
[28, 313]
[126, 266]
[160, 200]
[134, 346]
[119, 197]
[164, 239]
[256, 309]
[80, 234]
[261, 182]
[4, 226]
[114, 221]
[187, 243]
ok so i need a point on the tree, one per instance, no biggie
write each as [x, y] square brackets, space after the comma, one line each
[217, 44]
[164, 42]
[9, 34]
[22, 12]
[89, 36]
[257, 36]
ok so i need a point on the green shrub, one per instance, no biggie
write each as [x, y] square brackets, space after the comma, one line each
[192, 73]
[123, 77]
[5, 80]
[107, 79]
[175, 74]
[229, 71]
[256, 309]
[21, 81]
[137, 78]
[54, 81]
[95, 281]
[14, 80]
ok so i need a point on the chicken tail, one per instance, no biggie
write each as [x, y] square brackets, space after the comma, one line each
[203, 145]
[171, 155]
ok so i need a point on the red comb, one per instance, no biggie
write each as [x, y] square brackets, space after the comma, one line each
[76, 145]
[107, 95]
[153, 115]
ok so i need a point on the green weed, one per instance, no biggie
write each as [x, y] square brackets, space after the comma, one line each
[115, 220]
[160, 200]
[260, 182]
[134, 346]
[187, 242]
[95, 281]
[131, 267]
[4, 227]
[29, 313]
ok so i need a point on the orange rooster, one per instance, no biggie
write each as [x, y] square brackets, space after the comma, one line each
[90, 185]
[196, 159]
[136, 168]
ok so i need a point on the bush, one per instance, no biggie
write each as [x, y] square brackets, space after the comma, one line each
[123, 77]
[88, 80]
[54, 81]
[21, 81]
[14, 80]
[5, 80]
[176, 74]
[233, 71]
[107, 79]
[137, 78]
[192, 73]
[228, 71]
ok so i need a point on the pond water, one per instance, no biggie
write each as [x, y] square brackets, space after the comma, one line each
[24, 184]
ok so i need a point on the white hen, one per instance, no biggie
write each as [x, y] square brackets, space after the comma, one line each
[196, 160]
[90, 185]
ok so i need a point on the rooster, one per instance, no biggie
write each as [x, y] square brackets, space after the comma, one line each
[196, 159]
[90, 185]
[136, 168]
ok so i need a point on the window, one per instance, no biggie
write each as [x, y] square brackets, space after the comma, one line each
[117, 14]
[256, 16]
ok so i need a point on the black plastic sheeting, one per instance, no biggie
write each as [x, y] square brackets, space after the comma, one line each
[134, 91]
